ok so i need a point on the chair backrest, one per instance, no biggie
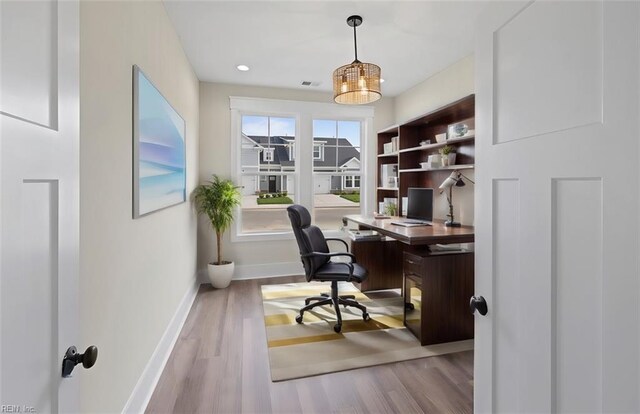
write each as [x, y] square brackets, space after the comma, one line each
[310, 239]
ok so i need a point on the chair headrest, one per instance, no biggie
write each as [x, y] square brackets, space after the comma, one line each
[299, 216]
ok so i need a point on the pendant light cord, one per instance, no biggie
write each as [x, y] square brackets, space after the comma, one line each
[355, 42]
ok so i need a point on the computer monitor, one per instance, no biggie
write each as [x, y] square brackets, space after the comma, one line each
[420, 204]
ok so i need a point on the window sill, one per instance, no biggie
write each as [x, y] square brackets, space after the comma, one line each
[275, 236]
[254, 237]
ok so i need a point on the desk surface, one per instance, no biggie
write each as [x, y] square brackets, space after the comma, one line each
[438, 233]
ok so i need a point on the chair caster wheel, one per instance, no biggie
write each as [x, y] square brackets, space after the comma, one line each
[366, 317]
[337, 328]
[299, 318]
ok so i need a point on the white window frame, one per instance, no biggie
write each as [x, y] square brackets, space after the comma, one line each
[304, 114]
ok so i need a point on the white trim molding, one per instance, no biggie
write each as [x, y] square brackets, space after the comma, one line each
[261, 271]
[142, 392]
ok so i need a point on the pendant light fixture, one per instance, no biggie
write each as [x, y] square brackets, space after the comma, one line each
[356, 83]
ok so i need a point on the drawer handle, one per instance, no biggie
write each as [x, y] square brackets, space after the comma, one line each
[411, 262]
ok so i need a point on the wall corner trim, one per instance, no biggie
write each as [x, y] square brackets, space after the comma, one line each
[142, 392]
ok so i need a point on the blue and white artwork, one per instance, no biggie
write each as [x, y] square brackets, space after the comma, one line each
[159, 163]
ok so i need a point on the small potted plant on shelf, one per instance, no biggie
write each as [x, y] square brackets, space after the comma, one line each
[217, 199]
[448, 155]
[391, 209]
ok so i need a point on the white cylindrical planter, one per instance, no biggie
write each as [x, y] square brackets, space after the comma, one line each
[220, 275]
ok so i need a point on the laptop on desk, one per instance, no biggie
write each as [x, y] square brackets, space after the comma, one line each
[419, 208]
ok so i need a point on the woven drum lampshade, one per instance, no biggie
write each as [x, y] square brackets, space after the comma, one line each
[356, 83]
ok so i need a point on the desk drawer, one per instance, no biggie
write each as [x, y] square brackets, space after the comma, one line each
[412, 264]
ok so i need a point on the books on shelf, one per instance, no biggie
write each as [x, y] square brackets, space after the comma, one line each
[391, 146]
[389, 175]
[360, 235]
[394, 144]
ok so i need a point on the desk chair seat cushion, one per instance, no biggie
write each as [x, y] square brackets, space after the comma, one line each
[339, 272]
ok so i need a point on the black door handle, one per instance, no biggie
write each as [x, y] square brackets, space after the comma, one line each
[73, 358]
[478, 303]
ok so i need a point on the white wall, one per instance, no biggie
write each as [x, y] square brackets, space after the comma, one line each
[446, 86]
[215, 140]
[449, 85]
[133, 272]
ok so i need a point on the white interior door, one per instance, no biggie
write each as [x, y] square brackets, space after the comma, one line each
[39, 104]
[557, 207]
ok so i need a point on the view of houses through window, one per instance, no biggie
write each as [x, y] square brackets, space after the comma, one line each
[268, 172]
[336, 174]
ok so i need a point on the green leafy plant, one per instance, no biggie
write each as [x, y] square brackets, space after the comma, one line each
[391, 209]
[446, 150]
[217, 199]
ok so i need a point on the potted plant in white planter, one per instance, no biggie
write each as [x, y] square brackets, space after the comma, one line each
[448, 155]
[217, 199]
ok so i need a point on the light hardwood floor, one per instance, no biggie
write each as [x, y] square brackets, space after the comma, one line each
[220, 365]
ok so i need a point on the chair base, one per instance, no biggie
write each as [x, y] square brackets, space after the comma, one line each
[335, 300]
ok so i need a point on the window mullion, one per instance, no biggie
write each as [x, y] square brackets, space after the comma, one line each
[304, 164]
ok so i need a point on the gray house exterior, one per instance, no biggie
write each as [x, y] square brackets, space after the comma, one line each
[277, 155]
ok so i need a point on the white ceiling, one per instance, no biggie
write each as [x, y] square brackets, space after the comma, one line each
[287, 42]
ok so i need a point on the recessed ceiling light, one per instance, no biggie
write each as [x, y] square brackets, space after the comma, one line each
[381, 80]
[242, 68]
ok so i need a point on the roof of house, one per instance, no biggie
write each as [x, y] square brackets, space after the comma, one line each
[281, 152]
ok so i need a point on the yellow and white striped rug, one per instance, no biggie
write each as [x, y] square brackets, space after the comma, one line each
[313, 348]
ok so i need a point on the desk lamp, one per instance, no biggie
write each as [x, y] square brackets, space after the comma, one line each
[455, 179]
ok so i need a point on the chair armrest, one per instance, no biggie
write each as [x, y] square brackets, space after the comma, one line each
[349, 265]
[329, 255]
[346, 245]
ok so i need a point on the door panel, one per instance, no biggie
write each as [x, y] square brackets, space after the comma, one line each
[506, 297]
[570, 70]
[29, 61]
[29, 302]
[39, 208]
[577, 281]
[557, 213]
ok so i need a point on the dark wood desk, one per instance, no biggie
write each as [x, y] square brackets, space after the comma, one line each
[438, 285]
[436, 234]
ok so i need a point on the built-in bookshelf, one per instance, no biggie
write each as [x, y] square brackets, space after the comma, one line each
[405, 145]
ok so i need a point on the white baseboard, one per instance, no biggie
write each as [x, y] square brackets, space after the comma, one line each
[259, 271]
[147, 382]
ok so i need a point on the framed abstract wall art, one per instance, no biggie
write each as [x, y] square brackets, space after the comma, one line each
[159, 159]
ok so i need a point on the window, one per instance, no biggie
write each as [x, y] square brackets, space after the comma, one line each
[270, 137]
[267, 172]
[268, 154]
[337, 175]
[352, 181]
[318, 152]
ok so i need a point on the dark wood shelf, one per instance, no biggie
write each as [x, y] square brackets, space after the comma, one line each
[410, 153]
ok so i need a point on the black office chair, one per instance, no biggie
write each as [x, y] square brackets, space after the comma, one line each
[315, 256]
